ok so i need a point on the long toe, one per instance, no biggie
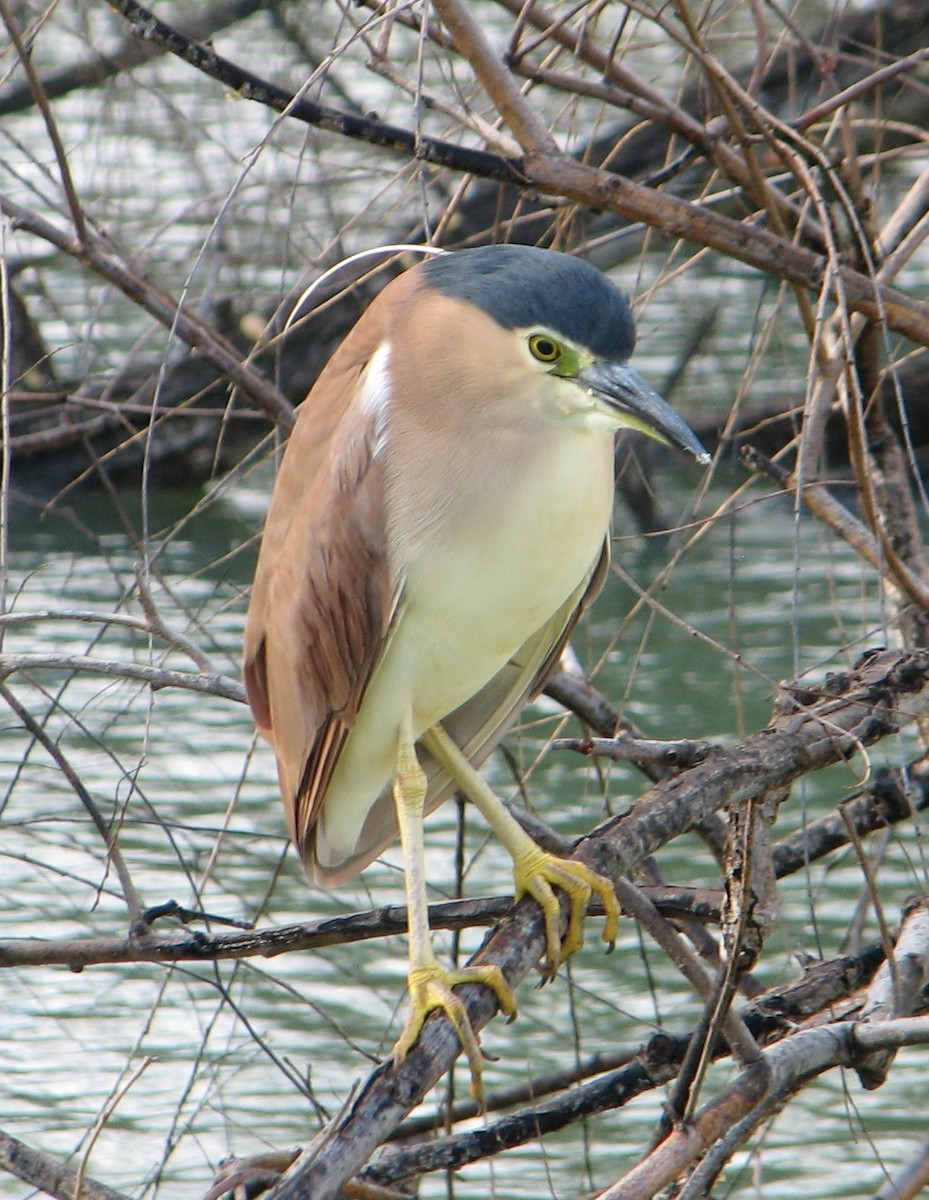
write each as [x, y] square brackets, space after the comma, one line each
[431, 988]
[538, 873]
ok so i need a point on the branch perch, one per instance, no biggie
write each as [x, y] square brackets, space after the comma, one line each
[816, 728]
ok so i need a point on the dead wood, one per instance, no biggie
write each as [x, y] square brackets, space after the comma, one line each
[771, 1017]
[897, 988]
[816, 727]
[48, 1175]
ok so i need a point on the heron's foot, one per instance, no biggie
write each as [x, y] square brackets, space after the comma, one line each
[538, 873]
[431, 987]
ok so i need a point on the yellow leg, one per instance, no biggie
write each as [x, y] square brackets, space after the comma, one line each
[535, 871]
[430, 984]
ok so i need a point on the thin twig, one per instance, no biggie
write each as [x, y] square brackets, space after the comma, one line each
[214, 685]
[558, 175]
[818, 500]
[103, 258]
[104, 828]
[527, 126]
[51, 127]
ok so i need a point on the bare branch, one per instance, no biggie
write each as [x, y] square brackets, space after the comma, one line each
[150, 28]
[769, 1018]
[530, 130]
[106, 261]
[47, 1173]
[104, 828]
[601, 190]
[783, 1069]
[158, 677]
[817, 728]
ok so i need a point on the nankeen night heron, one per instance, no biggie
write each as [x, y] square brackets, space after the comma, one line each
[440, 519]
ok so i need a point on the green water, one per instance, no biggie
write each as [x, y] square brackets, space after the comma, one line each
[178, 1067]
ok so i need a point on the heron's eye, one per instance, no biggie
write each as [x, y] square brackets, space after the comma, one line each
[544, 348]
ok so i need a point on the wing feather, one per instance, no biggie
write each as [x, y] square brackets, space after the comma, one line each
[323, 596]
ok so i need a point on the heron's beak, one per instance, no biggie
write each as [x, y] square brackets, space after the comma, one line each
[639, 406]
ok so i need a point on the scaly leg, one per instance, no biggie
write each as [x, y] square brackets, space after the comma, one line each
[535, 870]
[430, 984]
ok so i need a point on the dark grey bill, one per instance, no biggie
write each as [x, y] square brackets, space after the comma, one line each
[625, 390]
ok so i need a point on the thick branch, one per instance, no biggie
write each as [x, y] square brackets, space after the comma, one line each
[817, 728]
[770, 1017]
[47, 1174]
[784, 1069]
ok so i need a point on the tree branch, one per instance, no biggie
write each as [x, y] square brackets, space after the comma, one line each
[47, 1174]
[815, 728]
[559, 175]
[214, 685]
[103, 258]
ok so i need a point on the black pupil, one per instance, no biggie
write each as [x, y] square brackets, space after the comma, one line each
[545, 348]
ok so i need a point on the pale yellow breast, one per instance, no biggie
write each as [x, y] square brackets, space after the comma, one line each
[507, 554]
[514, 558]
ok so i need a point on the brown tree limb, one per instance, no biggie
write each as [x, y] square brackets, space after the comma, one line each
[559, 175]
[527, 126]
[47, 1174]
[816, 728]
[768, 1018]
[678, 119]
[103, 258]
[754, 246]
[860, 87]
